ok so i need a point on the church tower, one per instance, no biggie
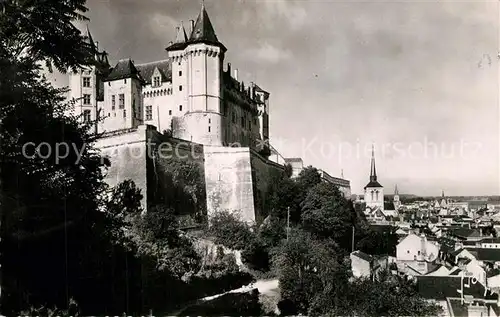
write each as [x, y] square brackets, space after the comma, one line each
[374, 192]
[197, 83]
[396, 201]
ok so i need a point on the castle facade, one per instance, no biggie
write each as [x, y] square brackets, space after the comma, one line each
[187, 100]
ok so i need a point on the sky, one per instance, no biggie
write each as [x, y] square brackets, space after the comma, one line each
[417, 79]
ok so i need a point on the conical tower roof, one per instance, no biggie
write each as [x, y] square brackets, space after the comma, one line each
[203, 32]
[181, 34]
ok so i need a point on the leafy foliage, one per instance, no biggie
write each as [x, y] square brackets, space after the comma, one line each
[308, 270]
[377, 242]
[393, 296]
[229, 231]
[327, 214]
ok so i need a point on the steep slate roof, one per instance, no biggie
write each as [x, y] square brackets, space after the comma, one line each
[203, 32]
[125, 68]
[147, 69]
[465, 232]
[441, 287]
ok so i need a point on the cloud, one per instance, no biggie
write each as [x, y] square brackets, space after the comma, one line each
[161, 24]
[269, 53]
[295, 15]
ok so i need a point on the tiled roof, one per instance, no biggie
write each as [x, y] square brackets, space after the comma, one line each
[363, 256]
[486, 254]
[146, 70]
[441, 287]
[374, 184]
[293, 159]
[125, 68]
[491, 240]
[257, 88]
[465, 232]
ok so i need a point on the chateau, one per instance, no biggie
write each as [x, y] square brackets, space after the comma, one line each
[188, 101]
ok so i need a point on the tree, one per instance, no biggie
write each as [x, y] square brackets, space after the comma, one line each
[327, 214]
[288, 170]
[309, 270]
[308, 178]
[377, 242]
[229, 231]
[393, 296]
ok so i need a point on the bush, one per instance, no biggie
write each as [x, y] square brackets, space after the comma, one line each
[256, 256]
[229, 231]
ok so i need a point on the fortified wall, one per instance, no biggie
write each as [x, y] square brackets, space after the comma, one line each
[189, 177]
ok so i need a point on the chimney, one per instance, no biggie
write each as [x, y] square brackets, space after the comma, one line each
[229, 68]
[192, 25]
[236, 74]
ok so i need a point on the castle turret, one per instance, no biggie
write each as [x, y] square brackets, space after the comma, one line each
[86, 86]
[196, 79]
[123, 89]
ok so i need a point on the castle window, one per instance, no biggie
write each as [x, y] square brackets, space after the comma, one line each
[180, 73]
[86, 99]
[124, 113]
[86, 116]
[208, 128]
[180, 88]
[113, 102]
[149, 113]
[170, 112]
[180, 108]
[125, 80]
[156, 81]
[209, 121]
[179, 63]
[86, 81]
[121, 101]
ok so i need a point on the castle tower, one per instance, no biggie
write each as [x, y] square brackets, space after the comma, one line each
[397, 202]
[123, 89]
[374, 192]
[197, 86]
[86, 85]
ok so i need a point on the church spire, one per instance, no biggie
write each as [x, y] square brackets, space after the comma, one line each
[373, 172]
[442, 193]
[396, 192]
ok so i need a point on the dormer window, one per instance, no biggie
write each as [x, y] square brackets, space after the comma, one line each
[156, 81]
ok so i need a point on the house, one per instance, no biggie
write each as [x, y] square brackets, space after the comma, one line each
[471, 307]
[441, 288]
[361, 264]
[414, 247]
[415, 254]
[493, 243]
[365, 265]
